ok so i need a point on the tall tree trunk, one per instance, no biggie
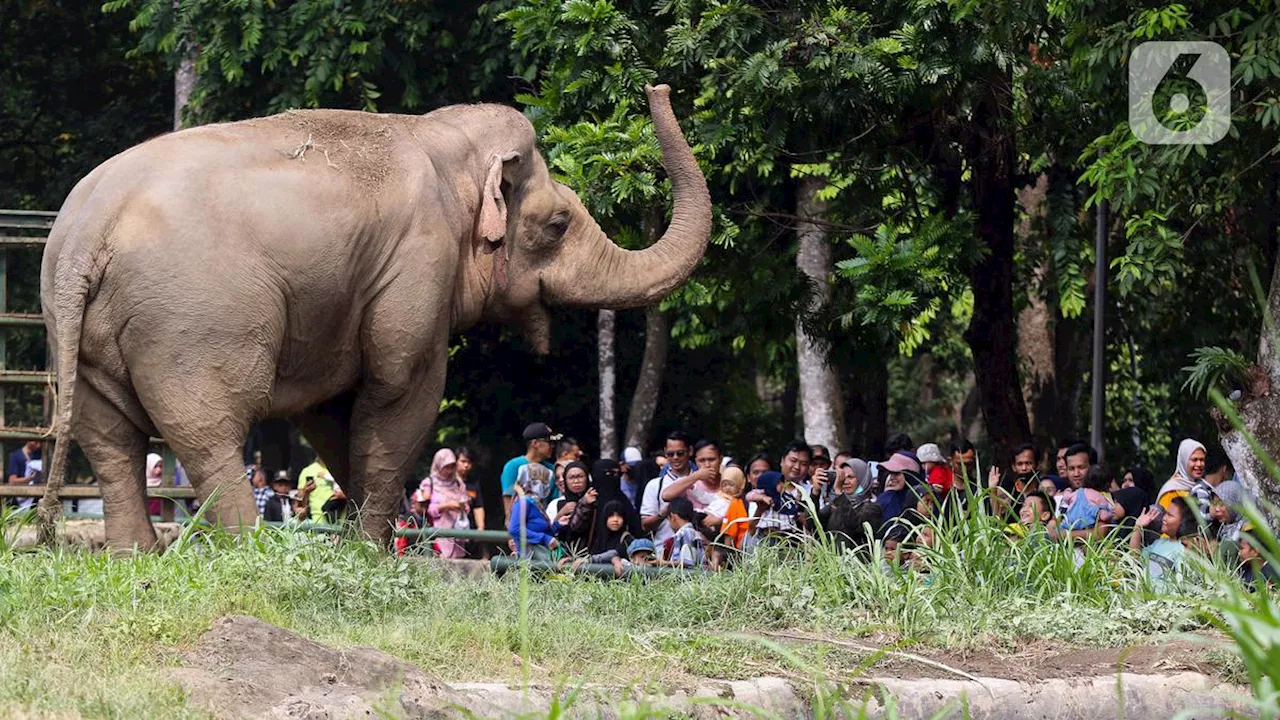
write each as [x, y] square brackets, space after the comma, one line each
[1259, 408]
[1035, 320]
[184, 79]
[605, 324]
[992, 333]
[820, 396]
[644, 403]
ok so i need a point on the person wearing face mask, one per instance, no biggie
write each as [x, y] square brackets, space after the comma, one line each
[532, 534]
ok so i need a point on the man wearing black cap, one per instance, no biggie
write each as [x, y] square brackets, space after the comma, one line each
[539, 444]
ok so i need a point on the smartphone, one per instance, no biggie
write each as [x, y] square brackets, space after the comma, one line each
[831, 475]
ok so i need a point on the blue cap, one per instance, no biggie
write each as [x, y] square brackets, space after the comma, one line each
[643, 544]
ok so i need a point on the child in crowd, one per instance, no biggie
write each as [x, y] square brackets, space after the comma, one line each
[687, 544]
[937, 471]
[1090, 505]
[1049, 489]
[727, 511]
[1225, 520]
[1164, 556]
[532, 534]
[613, 546]
[1035, 518]
[1253, 567]
[640, 552]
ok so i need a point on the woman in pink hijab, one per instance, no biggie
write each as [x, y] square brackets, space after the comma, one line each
[445, 496]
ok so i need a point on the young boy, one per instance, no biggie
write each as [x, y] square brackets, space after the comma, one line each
[687, 544]
[937, 471]
[641, 552]
[280, 505]
[1035, 517]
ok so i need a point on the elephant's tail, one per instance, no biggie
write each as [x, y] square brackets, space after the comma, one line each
[77, 275]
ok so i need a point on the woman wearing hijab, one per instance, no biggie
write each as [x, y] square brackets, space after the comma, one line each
[576, 523]
[447, 501]
[849, 508]
[155, 476]
[897, 500]
[1191, 457]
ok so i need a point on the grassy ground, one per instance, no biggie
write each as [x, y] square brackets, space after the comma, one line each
[90, 634]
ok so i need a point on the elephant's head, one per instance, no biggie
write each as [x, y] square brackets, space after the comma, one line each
[536, 245]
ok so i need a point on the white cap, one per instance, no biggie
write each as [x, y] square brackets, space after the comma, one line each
[930, 452]
[631, 455]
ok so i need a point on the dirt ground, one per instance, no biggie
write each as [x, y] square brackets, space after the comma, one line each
[243, 667]
[1040, 659]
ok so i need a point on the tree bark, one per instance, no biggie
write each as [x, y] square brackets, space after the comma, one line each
[820, 397]
[605, 324]
[184, 80]
[644, 403]
[1259, 409]
[1035, 321]
[992, 334]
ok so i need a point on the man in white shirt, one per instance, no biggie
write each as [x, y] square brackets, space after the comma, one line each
[653, 508]
[702, 485]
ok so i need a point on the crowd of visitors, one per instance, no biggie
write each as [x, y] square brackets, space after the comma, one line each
[692, 505]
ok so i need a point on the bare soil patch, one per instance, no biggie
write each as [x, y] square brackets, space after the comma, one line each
[243, 667]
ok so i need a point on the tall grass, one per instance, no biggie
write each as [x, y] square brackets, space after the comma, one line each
[94, 634]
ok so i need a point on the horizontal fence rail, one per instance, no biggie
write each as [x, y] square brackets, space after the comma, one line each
[70, 492]
[27, 219]
[21, 320]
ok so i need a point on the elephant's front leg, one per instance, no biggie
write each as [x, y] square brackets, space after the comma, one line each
[389, 426]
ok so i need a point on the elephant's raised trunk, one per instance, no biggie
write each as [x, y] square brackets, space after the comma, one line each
[618, 279]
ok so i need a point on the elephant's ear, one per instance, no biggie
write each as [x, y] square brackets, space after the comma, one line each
[493, 206]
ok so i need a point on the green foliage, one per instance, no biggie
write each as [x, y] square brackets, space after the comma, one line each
[1214, 368]
[901, 276]
[252, 57]
[1139, 417]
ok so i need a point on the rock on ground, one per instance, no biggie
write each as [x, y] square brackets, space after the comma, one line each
[246, 668]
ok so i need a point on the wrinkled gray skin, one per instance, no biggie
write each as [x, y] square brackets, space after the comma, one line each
[312, 265]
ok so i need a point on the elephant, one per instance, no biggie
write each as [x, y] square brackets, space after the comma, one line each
[312, 265]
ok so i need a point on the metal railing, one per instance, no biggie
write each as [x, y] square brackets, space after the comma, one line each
[24, 230]
[32, 228]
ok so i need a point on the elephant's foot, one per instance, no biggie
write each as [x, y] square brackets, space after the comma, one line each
[378, 527]
[127, 538]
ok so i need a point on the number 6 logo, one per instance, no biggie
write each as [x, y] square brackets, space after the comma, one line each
[1148, 66]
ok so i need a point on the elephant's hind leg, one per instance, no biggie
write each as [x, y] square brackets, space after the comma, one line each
[117, 449]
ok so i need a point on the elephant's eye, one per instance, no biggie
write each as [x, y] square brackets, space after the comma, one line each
[558, 225]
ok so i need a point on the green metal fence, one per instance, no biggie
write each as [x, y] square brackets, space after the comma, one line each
[27, 231]
[20, 231]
